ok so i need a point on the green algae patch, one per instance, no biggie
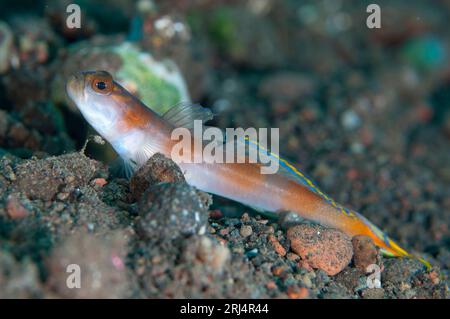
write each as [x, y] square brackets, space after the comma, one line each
[158, 84]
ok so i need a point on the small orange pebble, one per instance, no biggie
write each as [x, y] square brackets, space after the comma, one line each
[277, 246]
[424, 113]
[434, 277]
[271, 285]
[323, 248]
[295, 292]
[224, 231]
[352, 174]
[100, 182]
[14, 207]
[277, 271]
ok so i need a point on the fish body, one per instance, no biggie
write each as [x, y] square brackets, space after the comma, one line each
[137, 133]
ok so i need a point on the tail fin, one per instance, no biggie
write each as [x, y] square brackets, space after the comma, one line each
[394, 249]
[389, 247]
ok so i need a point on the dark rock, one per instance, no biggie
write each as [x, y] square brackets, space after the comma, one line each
[365, 252]
[171, 210]
[43, 179]
[157, 169]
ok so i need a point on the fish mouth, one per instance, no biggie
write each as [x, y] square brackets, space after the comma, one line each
[75, 86]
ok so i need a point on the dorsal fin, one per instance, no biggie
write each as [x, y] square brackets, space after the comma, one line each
[184, 114]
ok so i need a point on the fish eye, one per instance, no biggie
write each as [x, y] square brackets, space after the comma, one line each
[102, 86]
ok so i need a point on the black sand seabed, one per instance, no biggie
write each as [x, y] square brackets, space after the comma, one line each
[364, 113]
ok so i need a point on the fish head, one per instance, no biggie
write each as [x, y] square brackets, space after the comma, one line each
[93, 93]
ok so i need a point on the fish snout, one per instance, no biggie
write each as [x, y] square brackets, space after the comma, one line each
[75, 85]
